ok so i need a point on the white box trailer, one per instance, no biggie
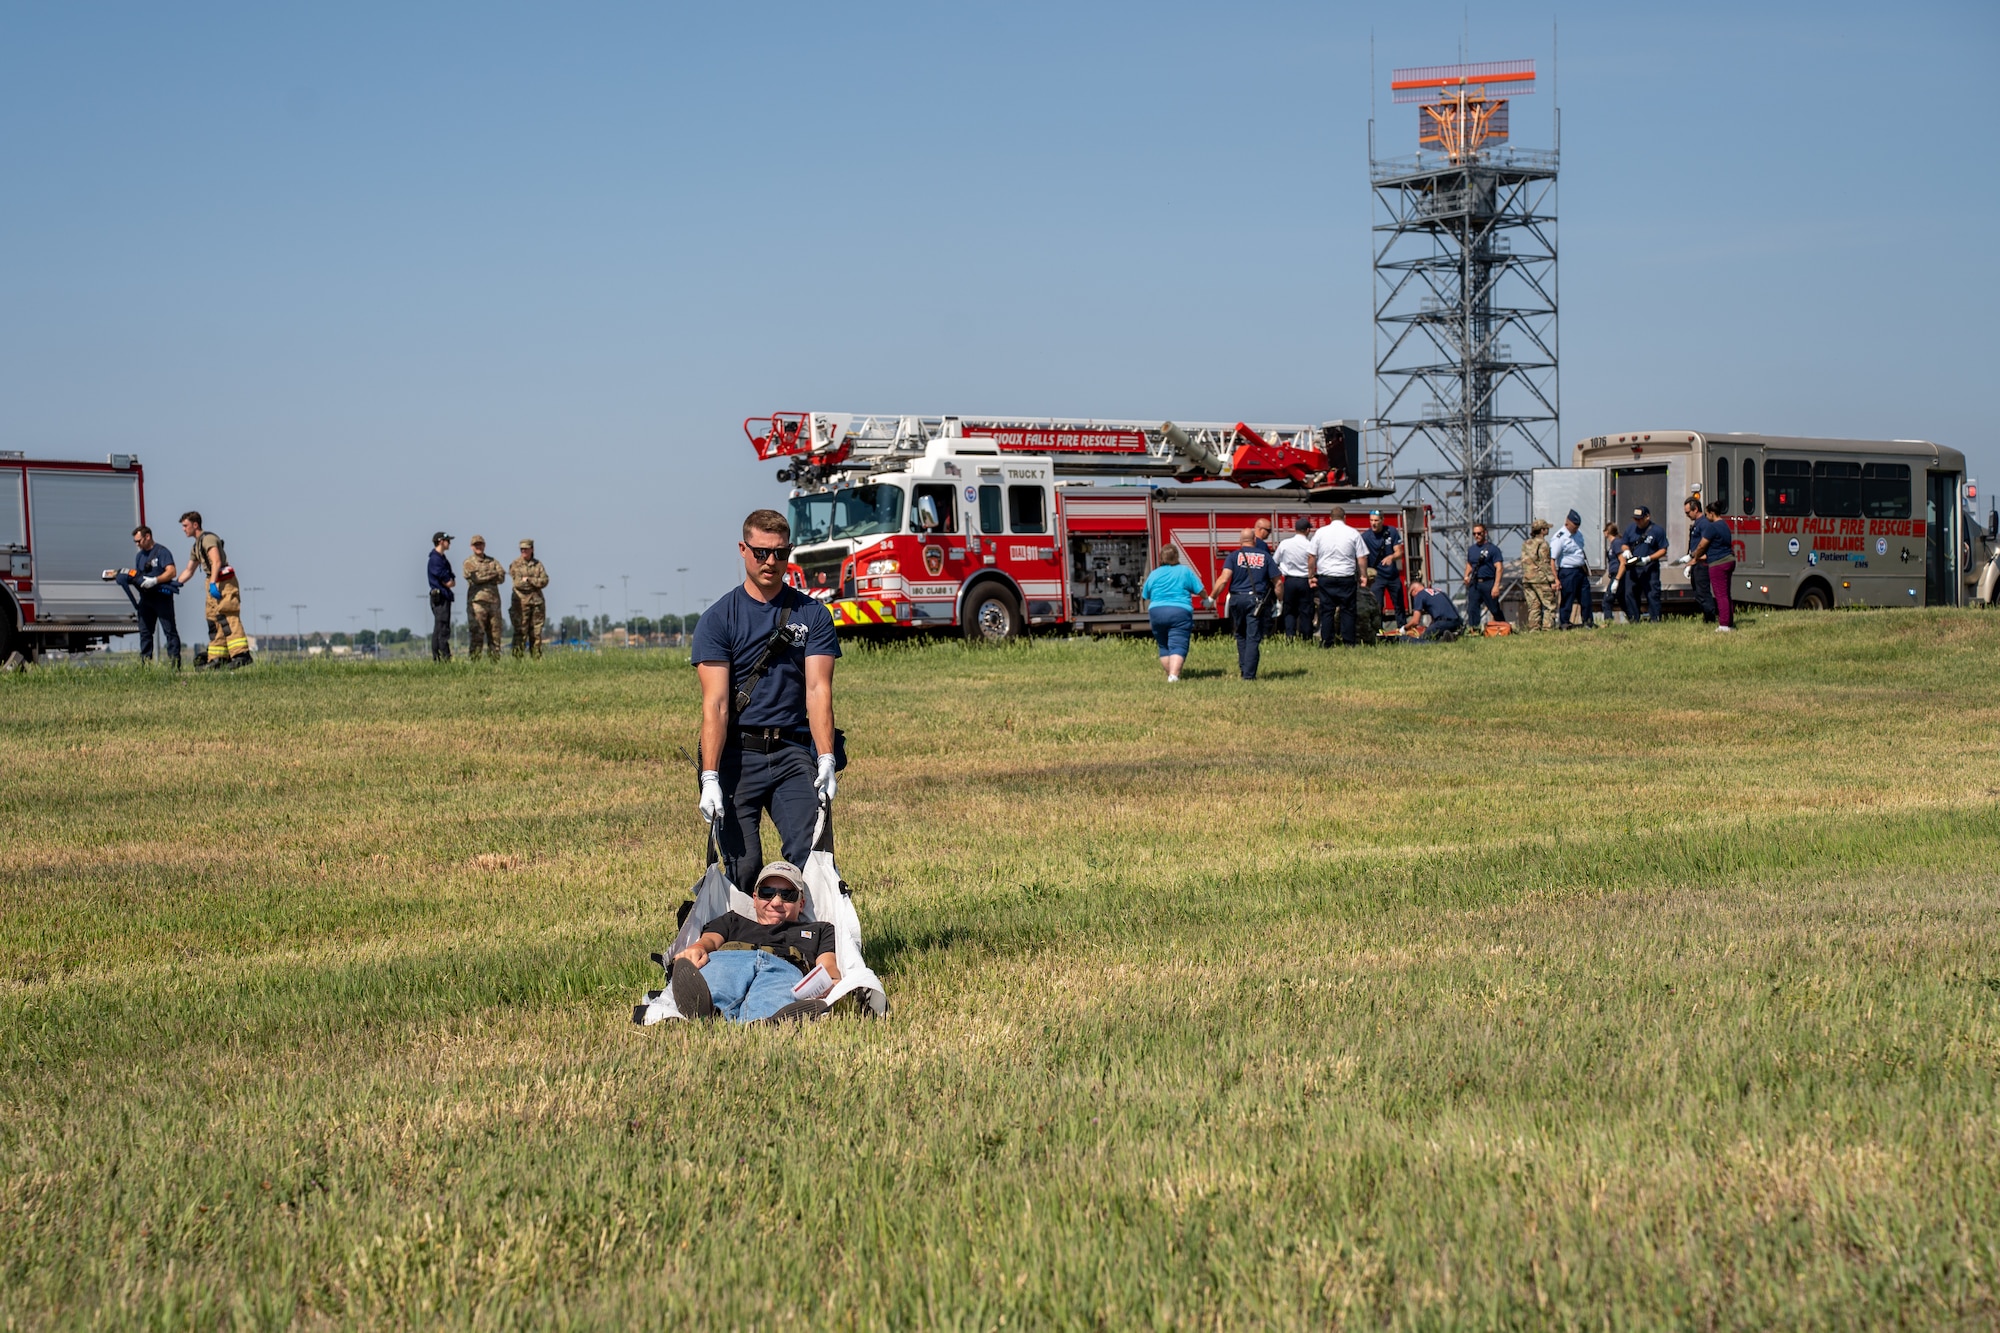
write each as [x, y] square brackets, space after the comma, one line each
[1817, 522]
[62, 524]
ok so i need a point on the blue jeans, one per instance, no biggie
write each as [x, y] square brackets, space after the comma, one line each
[752, 782]
[1575, 592]
[1643, 584]
[1172, 627]
[749, 984]
[1479, 593]
[157, 608]
[1248, 627]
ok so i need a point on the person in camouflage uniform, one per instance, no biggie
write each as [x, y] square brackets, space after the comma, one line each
[483, 575]
[229, 644]
[530, 611]
[1538, 580]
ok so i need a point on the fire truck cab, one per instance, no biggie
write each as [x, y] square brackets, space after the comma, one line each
[61, 523]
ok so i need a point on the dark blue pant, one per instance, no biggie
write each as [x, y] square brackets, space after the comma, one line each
[1249, 630]
[1575, 592]
[1390, 589]
[1298, 604]
[1336, 607]
[780, 782]
[1479, 593]
[440, 627]
[1704, 593]
[157, 608]
[1642, 581]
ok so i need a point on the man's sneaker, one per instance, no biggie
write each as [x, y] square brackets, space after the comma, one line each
[799, 1011]
[1725, 629]
[690, 989]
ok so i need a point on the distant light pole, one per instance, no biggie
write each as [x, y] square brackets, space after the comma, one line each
[600, 601]
[626, 579]
[376, 612]
[246, 603]
[298, 629]
[583, 620]
[682, 616]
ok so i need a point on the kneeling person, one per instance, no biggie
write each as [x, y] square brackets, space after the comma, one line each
[744, 970]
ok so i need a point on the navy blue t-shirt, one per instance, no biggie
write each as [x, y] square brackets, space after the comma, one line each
[1484, 557]
[151, 564]
[1643, 545]
[1438, 607]
[1380, 545]
[1721, 541]
[1250, 569]
[440, 570]
[735, 630]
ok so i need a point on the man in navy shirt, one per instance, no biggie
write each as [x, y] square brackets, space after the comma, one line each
[1645, 548]
[1483, 568]
[151, 581]
[442, 581]
[1445, 624]
[1385, 558]
[1246, 582]
[773, 751]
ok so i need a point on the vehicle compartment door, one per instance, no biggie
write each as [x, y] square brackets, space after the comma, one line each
[80, 524]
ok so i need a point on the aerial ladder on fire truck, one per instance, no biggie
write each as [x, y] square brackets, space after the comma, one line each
[822, 447]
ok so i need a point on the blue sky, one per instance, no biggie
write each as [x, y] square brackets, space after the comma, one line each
[344, 275]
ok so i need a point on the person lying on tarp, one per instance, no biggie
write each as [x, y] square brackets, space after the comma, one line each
[763, 970]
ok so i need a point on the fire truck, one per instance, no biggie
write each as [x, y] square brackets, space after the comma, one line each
[61, 523]
[992, 526]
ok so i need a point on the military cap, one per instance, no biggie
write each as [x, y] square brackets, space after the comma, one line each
[1575, 518]
[478, 540]
[1539, 525]
[527, 543]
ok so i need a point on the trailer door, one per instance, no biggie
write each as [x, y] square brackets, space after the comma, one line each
[80, 523]
[1941, 508]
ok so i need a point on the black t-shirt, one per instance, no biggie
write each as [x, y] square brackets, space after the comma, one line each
[797, 942]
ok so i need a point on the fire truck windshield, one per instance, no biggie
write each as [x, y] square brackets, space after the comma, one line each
[854, 511]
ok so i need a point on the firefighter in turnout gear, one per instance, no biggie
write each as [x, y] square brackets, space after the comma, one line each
[529, 608]
[483, 576]
[209, 561]
[1538, 579]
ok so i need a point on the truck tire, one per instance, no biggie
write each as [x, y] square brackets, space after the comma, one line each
[992, 615]
[1815, 596]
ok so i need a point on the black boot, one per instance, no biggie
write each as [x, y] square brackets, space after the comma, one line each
[690, 989]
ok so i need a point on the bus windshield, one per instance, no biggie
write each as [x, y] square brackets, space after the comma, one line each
[854, 511]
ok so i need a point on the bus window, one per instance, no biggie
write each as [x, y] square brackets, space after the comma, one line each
[1885, 490]
[1749, 485]
[1721, 495]
[1837, 490]
[989, 510]
[1787, 486]
[1025, 510]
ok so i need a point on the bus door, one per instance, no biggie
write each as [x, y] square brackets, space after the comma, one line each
[1941, 508]
[1746, 465]
[1635, 486]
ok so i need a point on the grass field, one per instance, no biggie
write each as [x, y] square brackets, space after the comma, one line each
[1629, 980]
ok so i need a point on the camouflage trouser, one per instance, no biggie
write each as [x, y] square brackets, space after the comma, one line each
[225, 624]
[528, 619]
[482, 624]
[1368, 613]
[1538, 606]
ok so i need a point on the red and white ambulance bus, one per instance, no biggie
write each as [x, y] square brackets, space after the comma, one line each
[61, 524]
[975, 540]
[1817, 522]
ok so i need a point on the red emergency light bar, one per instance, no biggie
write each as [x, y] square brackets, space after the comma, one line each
[1426, 83]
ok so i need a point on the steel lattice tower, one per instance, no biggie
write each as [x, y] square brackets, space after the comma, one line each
[1466, 378]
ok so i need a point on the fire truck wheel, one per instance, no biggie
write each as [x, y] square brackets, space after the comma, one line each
[1815, 596]
[992, 615]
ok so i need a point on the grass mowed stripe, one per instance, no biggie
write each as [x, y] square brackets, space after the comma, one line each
[1647, 978]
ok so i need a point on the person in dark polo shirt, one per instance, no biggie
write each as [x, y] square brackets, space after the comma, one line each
[774, 751]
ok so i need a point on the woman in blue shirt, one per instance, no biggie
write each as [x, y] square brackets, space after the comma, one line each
[1169, 592]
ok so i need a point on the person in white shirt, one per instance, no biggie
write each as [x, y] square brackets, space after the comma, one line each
[1339, 559]
[1572, 560]
[1294, 567]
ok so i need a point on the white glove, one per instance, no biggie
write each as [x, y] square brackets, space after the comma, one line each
[824, 782]
[711, 795]
[149, 583]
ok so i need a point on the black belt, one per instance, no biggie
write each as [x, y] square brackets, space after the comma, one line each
[766, 739]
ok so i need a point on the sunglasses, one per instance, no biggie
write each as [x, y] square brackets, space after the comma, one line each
[766, 892]
[764, 553]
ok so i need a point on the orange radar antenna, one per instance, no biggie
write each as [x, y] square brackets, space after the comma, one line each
[1462, 109]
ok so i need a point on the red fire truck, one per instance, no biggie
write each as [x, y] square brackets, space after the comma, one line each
[61, 523]
[987, 526]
